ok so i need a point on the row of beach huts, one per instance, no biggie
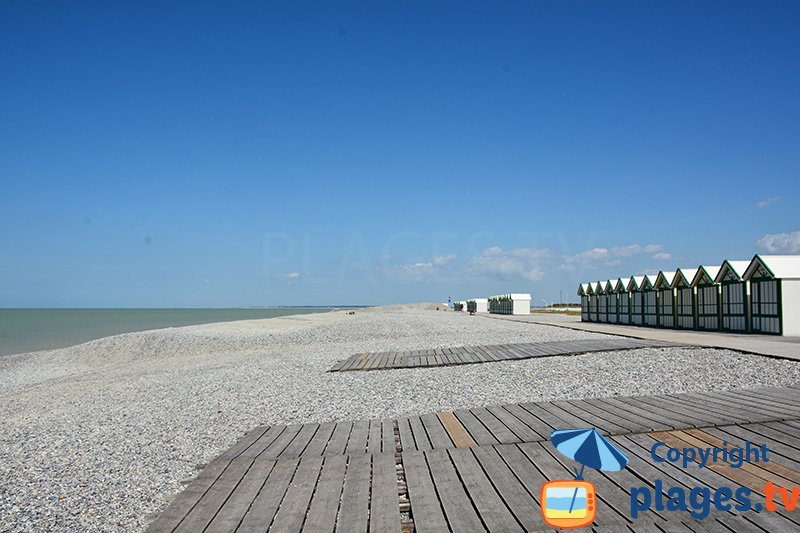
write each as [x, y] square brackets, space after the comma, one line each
[757, 296]
[500, 304]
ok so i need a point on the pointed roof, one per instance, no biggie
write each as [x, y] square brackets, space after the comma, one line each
[635, 283]
[683, 277]
[608, 286]
[731, 271]
[589, 289]
[664, 280]
[649, 281]
[620, 285]
[705, 275]
[582, 289]
[774, 266]
[599, 287]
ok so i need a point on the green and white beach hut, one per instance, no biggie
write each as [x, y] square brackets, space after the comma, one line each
[635, 294]
[775, 294]
[613, 302]
[602, 301]
[592, 302]
[666, 299]
[685, 298]
[734, 295]
[623, 302]
[583, 289]
[649, 301]
[708, 296]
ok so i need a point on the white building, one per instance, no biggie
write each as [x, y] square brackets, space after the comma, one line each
[734, 294]
[685, 298]
[707, 297]
[775, 294]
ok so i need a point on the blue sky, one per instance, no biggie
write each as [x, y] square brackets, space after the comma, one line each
[286, 153]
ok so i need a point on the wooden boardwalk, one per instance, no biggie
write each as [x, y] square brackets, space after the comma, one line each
[481, 469]
[465, 355]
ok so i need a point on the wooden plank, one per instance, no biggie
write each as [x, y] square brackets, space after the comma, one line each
[407, 442]
[571, 418]
[728, 410]
[639, 418]
[358, 437]
[491, 508]
[384, 514]
[185, 501]
[338, 441]
[245, 442]
[478, 431]
[293, 509]
[324, 505]
[586, 412]
[511, 490]
[676, 416]
[420, 436]
[461, 515]
[498, 430]
[301, 441]
[612, 422]
[320, 440]
[374, 441]
[436, 432]
[522, 431]
[535, 423]
[277, 446]
[234, 509]
[262, 443]
[387, 438]
[262, 512]
[354, 508]
[758, 404]
[425, 506]
[457, 432]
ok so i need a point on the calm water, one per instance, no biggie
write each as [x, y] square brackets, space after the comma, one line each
[28, 330]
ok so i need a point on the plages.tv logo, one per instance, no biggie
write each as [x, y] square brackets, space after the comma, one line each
[569, 504]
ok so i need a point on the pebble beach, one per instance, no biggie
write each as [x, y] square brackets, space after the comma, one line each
[102, 435]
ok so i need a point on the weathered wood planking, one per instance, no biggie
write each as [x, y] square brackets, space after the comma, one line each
[486, 354]
[481, 469]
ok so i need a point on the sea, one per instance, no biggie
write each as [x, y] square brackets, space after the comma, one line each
[30, 330]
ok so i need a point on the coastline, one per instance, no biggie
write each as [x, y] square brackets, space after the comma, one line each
[36, 330]
[101, 435]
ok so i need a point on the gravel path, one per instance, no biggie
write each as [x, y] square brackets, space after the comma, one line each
[98, 436]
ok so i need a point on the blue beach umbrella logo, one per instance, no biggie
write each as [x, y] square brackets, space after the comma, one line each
[568, 504]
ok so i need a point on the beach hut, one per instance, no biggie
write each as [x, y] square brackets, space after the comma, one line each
[708, 296]
[592, 303]
[582, 292]
[602, 301]
[685, 298]
[775, 294]
[666, 299]
[612, 302]
[734, 295]
[635, 295]
[624, 302]
[649, 301]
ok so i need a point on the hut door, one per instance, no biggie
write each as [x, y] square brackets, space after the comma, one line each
[766, 296]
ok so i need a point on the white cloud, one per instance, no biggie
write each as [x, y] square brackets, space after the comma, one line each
[443, 259]
[517, 263]
[611, 256]
[761, 204]
[785, 243]
[290, 275]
